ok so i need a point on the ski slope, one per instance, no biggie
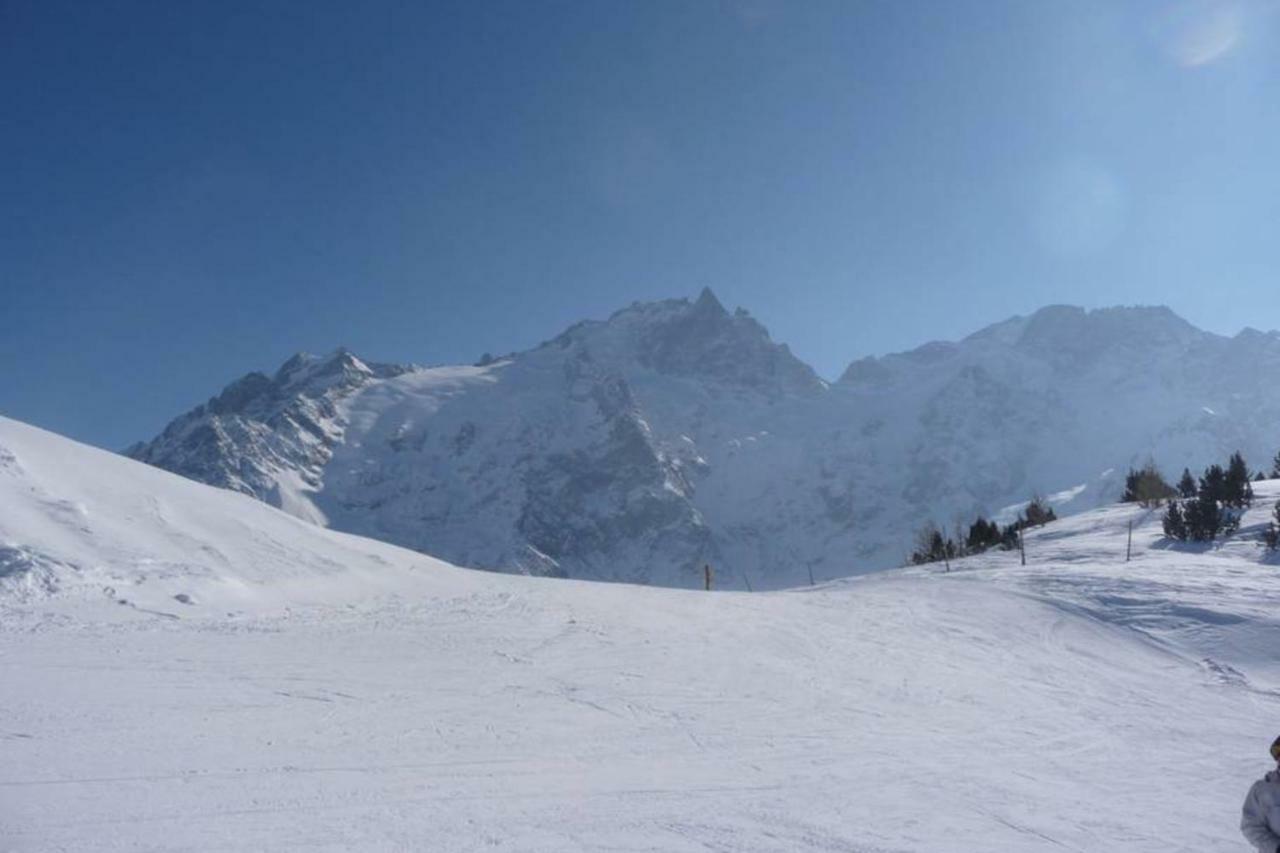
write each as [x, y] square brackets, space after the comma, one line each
[185, 668]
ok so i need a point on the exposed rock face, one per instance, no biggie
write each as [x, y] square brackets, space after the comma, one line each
[677, 433]
[264, 436]
[706, 342]
[612, 505]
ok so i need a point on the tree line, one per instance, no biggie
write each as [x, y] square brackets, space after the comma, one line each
[1197, 509]
[1200, 510]
[1207, 508]
[933, 546]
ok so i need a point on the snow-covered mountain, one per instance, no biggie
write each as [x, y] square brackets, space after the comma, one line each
[676, 434]
[1062, 402]
[186, 668]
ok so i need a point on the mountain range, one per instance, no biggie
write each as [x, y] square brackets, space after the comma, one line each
[677, 434]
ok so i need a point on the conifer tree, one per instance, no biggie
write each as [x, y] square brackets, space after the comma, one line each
[932, 546]
[1147, 486]
[1237, 490]
[1208, 519]
[1271, 536]
[1187, 487]
[1204, 518]
[1130, 487]
[1038, 513]
[983, 535]
[1175, 525]
[1213, 485]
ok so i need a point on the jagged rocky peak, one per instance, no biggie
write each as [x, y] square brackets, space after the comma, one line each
[1262, 347]
[260, 425]
[340, 369]
[1076, 329]
[866, 371]
[879, 371]
[698, 339]
[341, 366]
[706, 340]
[1252, 335]
[241, 394]
[296, 363]
[303, 373]
[707, 303]
[1061, 336]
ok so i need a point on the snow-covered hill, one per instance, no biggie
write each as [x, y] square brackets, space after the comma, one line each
[676, 434]
[185, 668]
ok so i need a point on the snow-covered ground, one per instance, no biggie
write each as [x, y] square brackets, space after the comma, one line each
[183, 668]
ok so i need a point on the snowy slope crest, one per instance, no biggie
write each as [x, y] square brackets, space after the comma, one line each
[80, 524]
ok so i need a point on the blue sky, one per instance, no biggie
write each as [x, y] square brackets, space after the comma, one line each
[191, 191]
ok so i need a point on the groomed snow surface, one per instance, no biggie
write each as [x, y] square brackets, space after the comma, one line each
[183, 668]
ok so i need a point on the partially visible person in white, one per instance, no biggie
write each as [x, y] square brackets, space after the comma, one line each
[1260, 820]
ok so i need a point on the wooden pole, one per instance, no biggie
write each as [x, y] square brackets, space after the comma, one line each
[706, 577]
[1022, 546]
[810, 568]
[1128, 554]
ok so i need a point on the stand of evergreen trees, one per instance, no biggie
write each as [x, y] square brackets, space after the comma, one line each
[1199, 510]
[1147, 486]
[932, 546]
[1216, 505]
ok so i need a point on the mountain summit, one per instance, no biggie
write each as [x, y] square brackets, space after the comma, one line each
[678, 433]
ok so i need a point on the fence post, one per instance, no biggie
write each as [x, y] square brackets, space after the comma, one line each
[706, 577]
[1022, 546]
[1128, 554]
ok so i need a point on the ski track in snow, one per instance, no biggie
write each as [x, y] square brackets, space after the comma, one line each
[318, 691]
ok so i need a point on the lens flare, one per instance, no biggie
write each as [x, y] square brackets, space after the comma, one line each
[1199, 32]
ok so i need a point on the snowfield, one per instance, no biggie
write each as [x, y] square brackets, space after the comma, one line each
[184, 668]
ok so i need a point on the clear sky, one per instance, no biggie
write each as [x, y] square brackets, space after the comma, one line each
[189, 191]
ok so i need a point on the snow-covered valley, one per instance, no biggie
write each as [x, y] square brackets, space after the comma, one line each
[185, 668]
